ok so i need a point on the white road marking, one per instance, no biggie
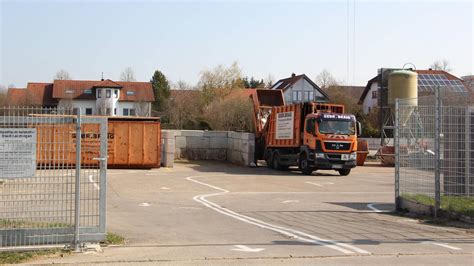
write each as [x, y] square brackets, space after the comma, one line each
[371, 206]
[246, 249]
[301, 236]
[329, 183]
[311, 192]
[165, 188]
[290, 201]
[151, 174]
[315, 184]
[144, 204]
[441, 245]
[94, 183]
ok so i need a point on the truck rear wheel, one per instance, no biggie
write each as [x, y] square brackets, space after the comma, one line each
[304, 165]
[344, 172]
[276, 162]
[269, 159]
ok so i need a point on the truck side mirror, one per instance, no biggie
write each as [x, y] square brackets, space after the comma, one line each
[359, 129]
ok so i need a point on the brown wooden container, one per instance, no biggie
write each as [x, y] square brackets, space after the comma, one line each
[134, 143]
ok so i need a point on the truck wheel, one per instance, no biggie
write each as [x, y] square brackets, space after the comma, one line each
[276, 165]
[304, 166]
[344, 172]
[269, 160]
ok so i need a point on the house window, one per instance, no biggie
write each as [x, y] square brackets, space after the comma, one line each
[132, 112]
[311, 95]
[306, 96]
[69, 91]
[108, 111]
[107, 93]
[374, 94]
[115, 111]
[116, 93]
[99, 93]
[88, 111]
[130, 93]
[295, 95]
[125, 111]
[300, 95]
[89, 91]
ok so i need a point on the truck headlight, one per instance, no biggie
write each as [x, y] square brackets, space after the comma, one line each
[353, 156]
[319, 155]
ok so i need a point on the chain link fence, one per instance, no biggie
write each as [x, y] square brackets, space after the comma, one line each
[52, 178]
[434, 142]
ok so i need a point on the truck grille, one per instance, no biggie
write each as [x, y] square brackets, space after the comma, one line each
[337, 145]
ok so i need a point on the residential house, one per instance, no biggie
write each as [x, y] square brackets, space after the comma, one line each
[103, 97]
[428, 80]
[300, 88]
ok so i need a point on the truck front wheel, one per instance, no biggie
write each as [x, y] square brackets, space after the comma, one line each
[344, 172]
[304, 165]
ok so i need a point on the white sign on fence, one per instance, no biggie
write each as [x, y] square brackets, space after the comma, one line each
[284, 125]
[17, 152]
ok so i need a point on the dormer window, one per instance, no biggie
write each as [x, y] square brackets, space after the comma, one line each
[107, 93]
[69, 91]
[99, 93]
[130, 93]
[116, 93]
[89, 91]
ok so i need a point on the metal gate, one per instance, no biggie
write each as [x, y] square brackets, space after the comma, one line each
[434, 147]
[52, 177]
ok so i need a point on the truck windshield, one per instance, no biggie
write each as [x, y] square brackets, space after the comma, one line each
[338, 127]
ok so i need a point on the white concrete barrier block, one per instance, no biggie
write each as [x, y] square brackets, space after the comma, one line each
[192, 133]
[197, 142]
[180, 142]
[216, 134]
[218, 143]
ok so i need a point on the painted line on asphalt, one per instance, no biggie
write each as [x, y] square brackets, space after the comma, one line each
[290, 201]
[314, 184]
[371, 206]
[297, 235]
[93, 182]
[310, 192]
[246, 248]
[442, 245]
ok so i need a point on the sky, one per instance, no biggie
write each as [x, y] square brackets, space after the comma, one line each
[351, 39]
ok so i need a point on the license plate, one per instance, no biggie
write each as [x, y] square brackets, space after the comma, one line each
[337, 166]
[345, 157]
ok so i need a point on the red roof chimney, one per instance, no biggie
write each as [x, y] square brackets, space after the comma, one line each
[293, 75]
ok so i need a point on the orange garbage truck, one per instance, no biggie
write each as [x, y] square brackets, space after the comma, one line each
[313, 136]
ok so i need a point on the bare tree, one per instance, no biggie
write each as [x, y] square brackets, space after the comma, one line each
[325, 79]
[62, 75]
[269, 81]
[218, 82]
[183, 85]
[127, 75]
[142, 108]
[441, 65]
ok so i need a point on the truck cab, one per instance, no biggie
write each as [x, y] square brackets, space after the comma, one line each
[329, 143]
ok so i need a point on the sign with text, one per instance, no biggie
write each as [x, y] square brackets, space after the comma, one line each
[284, 125]
[17, 152]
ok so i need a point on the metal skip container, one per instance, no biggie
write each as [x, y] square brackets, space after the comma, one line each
[132, 143]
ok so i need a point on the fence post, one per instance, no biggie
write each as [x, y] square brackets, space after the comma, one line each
[77, 207]
[397, 154]
[437, 151]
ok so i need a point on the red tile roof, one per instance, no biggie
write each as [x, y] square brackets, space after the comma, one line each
[16, 97]
[107, 84]
[48, 94]
[75, 89]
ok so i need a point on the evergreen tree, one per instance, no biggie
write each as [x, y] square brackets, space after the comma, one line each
[161, 88]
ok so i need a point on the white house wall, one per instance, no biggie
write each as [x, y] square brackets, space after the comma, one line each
[301, 85]
[368, 101]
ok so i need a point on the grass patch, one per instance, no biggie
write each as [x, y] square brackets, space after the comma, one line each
[6, 223]
[458, 204]
[11, 257]
[114, 239]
